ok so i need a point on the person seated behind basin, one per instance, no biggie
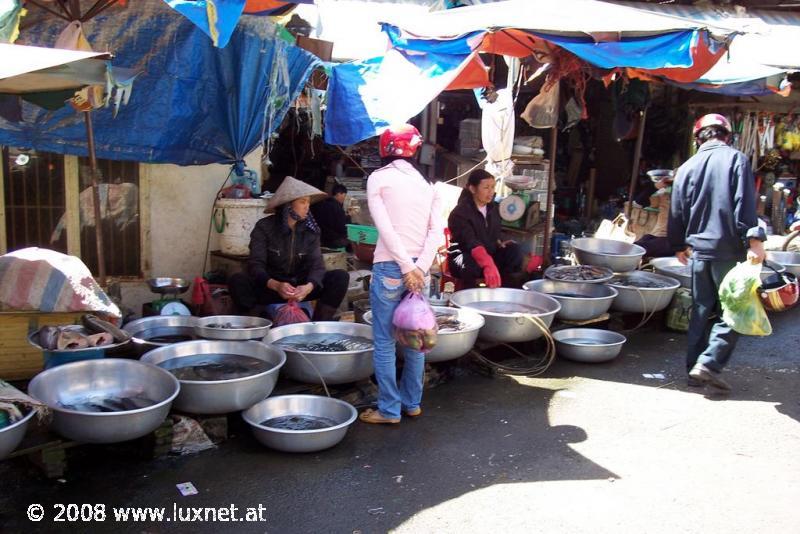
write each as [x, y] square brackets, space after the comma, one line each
[656, 243]
[285, 262]
[331, 218]
[475, 229]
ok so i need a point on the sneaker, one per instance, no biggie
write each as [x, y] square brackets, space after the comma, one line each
[416, 412]
[707, 376]
[375, 417]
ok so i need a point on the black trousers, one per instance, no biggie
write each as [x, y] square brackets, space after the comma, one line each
[508, 260]
[247, 295]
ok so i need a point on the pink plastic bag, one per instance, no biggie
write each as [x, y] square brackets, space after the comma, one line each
[290, 313]
[415, 323]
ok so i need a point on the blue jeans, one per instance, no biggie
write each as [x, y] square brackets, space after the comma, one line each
[710, 340]
[385, 292]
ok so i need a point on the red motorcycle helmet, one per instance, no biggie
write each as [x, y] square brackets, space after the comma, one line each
[400, 141]
[779, 291]
[712, 119]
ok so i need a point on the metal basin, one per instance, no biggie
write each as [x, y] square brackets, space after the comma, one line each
[340, 412]
[790, 260]
[673, 268]
[644, 299]
[333, 367]
[589, 345]
[159, 331]
[11, 436]
[117, 377]
[451, 344]
[221, 396]
[243, 327]
[166, 286]
[579, 302]
[512, 326]
[618, 256]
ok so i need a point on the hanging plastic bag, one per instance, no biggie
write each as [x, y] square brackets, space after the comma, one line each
[290, 313]
[415, 323]
[542, 110]
[741, 308]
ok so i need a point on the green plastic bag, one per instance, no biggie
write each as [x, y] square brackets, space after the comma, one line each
[741, 308]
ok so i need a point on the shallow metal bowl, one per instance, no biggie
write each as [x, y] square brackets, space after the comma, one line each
[552, 274]
[589, 345]
[164, 285]
[618, 256]
[243, 328]
[160, 330]
[300, 440]
[33, 339]
[11, 435]
[221, 396]
[790, 260]
[509, 327]
[644, 299]
[579, 302]
[673, 268]
[332, 367]
[453, 344]
[72, 382]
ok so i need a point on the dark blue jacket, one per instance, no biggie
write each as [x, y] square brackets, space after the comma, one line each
[713, 208]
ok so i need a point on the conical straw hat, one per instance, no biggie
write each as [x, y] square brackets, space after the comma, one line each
[292, 189]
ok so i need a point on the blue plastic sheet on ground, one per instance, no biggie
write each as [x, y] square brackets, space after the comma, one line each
[193, 104]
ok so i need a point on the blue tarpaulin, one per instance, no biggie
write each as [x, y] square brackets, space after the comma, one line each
[192, 104]
[604, 35]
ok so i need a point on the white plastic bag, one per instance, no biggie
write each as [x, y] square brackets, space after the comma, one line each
[542, 110]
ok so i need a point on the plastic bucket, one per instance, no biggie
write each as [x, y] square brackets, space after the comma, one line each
[234, 219]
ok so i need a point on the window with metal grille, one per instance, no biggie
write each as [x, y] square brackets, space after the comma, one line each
[35, 199]
[119, 213]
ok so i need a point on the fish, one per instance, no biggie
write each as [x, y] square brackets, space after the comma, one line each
[71, 340]
[100, 340]
[98, 326]
[48, 337]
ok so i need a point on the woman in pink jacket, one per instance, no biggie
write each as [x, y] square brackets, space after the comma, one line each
[405, 208]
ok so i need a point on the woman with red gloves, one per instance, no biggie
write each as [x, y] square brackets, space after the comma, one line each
[475, 229]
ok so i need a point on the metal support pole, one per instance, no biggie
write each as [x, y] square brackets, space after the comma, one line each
[98, 228]
[637, 156]
[551, 184]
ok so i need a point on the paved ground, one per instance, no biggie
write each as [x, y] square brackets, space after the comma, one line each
[589, 448]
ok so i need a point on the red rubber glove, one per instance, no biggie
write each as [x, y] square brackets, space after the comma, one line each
[534, 264]
[485, 262]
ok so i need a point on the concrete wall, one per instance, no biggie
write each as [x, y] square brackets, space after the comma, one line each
[179, 203]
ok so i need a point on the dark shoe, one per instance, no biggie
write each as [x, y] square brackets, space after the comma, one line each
[707, 376]
[323, 312]
[695, 383]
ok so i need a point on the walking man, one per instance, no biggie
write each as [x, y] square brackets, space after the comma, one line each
[713, 223]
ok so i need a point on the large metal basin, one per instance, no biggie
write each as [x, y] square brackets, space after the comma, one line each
[790, 260]
[68, 383]
[160, 331]
[222, 396]
[673, 268]
[508, 327]
[242, 327]
[644, 299]
[579, 301]
[333, 367]
[340, 412]
[11, 436]
[451, 344]
[588, 345]
[618, 256]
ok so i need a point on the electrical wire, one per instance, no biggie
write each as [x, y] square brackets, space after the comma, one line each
[538, 367]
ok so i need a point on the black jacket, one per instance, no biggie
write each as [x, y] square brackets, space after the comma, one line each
[470, 229]
[286, 255]
[331, 218]
[713, 206]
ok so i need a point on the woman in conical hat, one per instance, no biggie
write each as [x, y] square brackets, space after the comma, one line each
[285, 262]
